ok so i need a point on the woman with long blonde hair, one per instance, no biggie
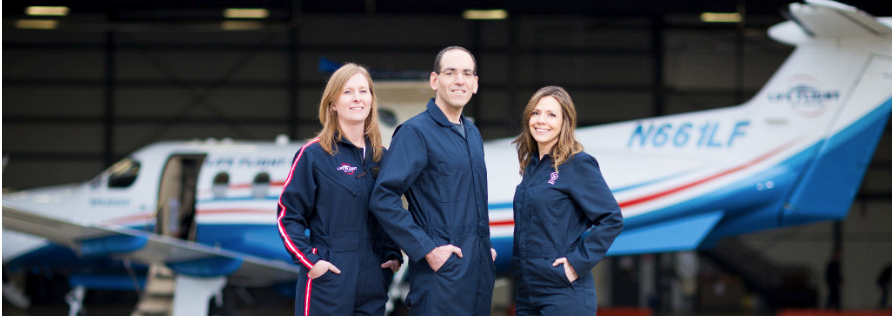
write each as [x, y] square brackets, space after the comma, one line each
[561, 198]
[349, 260]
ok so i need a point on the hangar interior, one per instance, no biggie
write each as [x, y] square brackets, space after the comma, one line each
[84, 90]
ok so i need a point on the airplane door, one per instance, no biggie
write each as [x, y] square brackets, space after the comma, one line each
[177, 196]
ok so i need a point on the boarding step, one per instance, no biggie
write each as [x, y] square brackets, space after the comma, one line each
[158, 294]
[160, 287]
[154, 306]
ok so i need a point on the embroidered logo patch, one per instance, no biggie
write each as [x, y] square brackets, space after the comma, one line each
[553, 177]
[347, 169]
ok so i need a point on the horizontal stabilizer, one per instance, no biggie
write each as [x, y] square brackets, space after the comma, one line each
[824, 19]
[183, 256]
[677, 235]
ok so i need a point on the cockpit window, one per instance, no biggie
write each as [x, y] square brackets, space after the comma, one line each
[220, 185]
[260, 185]
[123, 173]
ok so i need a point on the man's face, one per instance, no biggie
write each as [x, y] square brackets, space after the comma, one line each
[456, 82]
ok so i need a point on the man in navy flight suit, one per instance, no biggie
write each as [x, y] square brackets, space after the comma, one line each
[437, 161]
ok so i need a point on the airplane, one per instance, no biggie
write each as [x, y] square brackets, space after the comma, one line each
[202, 213]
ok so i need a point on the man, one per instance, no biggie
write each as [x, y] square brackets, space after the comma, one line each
[834, 280]
[437, 161]
[884, 281]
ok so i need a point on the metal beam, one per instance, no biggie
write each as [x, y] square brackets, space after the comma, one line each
[657, 27]
[109, 102]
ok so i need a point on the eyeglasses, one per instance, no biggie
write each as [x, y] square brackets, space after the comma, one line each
[451, 72]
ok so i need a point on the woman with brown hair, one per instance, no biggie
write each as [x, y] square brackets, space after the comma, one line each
[566, 217]
[349, 259]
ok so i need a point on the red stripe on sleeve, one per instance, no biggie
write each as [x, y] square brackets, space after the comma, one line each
[288, 241]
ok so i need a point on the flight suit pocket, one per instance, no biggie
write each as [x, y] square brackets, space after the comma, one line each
[332, 182]
[589, 298]
[325, 255]
[324, 278]
[453, 284]
[549, 211]
[540, 272]
[453, 182]
[560, 271]
[421, 285]
[449, 265]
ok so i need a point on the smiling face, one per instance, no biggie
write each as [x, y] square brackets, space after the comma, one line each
[456, 81]
[354, 102]
[545, 123]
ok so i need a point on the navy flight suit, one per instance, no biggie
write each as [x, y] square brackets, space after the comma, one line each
[329, 195]
[553, 210]
[442, 175]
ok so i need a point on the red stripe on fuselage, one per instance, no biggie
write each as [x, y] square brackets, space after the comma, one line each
[709, 178]
[249, 185]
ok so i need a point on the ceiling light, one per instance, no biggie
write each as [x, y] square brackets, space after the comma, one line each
[246, 13]
[720, 17]
[241, 25]
[498, 14]
[37, 24]
[40, 10]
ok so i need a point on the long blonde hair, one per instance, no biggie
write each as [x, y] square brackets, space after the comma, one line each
[332, 131]
[566, 146]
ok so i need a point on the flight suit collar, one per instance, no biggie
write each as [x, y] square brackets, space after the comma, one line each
[536, 159]
[439, 117]
[344, 142]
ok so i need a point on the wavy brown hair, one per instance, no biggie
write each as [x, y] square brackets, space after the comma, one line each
[566, 146]
[332, 131]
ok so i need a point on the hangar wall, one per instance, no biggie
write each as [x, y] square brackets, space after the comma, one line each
[76, 101]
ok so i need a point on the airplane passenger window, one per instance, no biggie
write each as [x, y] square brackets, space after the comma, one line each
[388, 117]
[220, 185]
[123, 173]
[260, 185]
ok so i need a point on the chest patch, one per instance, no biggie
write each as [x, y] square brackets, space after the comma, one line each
[553, 177]
[347, 169]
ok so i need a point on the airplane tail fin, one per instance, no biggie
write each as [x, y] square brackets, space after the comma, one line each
[836, 90]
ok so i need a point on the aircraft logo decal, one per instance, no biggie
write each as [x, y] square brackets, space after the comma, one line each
[804, 96]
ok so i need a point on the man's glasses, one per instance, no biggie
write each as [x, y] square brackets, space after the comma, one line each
[451, 72]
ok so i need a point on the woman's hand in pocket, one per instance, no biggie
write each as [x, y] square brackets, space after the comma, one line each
[393, 264]
[570, 271]
[321, 268]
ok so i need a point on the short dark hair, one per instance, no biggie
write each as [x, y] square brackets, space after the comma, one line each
[437, 68]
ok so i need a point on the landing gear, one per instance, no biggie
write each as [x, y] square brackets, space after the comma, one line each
[75, 300]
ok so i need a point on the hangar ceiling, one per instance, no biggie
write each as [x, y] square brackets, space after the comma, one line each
[285, 11]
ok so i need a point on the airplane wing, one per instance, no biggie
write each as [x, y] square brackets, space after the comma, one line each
[678, 235]
[184, 257]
